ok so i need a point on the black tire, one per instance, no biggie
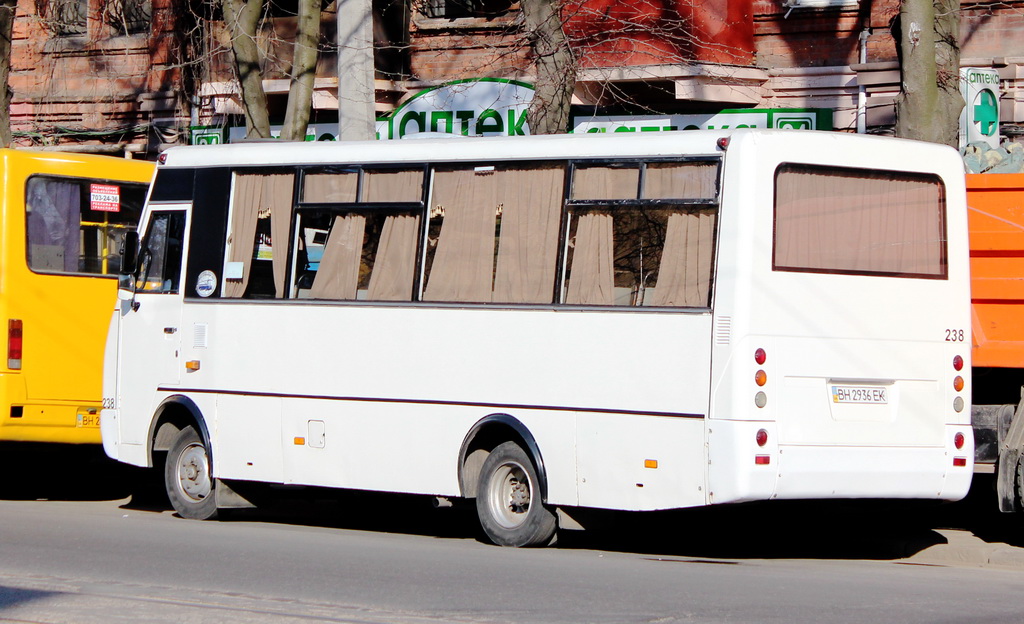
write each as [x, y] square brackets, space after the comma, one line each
[187, 479]
[508, 500]
[1018, 504]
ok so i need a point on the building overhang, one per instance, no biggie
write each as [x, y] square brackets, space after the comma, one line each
[701, 82]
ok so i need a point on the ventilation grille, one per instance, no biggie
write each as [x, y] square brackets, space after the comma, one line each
[723, 330]
[199, 336]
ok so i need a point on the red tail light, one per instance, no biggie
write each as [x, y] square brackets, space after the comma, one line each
[14, 344]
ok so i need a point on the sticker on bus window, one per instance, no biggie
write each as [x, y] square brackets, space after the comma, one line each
[206, 283]
[105, 197]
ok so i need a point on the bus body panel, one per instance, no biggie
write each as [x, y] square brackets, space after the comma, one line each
[546, 368]
[55, 396]
[824, 333]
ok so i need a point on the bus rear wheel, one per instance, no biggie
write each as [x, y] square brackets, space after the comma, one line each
[508, 500]
[190, 486]
[1018, 504]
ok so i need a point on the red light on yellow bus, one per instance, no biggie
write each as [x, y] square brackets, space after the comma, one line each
[958, 362]
[958, 383]
[14, 343]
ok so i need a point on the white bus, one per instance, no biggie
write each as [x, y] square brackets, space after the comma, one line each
[629, 322]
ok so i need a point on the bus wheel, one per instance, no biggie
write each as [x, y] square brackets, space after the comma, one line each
[1019, 503]
[508, 500]
[187, 477]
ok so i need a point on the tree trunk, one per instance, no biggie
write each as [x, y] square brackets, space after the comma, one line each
[556, 67]
[8, 9]
[300, 93]
[242, 19]
[929, 105]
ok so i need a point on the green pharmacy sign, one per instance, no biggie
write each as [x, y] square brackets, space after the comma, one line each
[777, 118]
[979, 120]
[478, 107]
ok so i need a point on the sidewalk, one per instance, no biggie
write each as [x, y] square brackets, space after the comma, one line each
[964, 548]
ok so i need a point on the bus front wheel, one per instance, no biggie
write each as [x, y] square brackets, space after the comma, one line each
[190, 487]
[508, 500]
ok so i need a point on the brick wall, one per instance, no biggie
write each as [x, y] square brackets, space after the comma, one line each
[86, 89]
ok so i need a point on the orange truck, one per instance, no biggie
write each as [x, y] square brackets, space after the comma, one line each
[996, 223]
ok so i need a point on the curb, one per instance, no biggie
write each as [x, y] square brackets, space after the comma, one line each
[965, 548]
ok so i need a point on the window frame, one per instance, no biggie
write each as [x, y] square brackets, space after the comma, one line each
[421, 207]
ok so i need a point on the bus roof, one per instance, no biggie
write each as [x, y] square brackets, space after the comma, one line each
[78, 165]
[560, 146]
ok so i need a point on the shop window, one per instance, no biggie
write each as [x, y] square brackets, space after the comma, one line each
[128, 17]
[456, 9]
[64, 18]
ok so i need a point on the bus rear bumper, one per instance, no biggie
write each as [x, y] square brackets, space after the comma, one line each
[743, 471]
[905, 473]
[37, 422]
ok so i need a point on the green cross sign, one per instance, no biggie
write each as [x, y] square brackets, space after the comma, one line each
[986, 112]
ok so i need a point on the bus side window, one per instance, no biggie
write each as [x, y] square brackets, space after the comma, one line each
[160, 270]
[261, 208]
[641, 234]
[494, 233]
[363, 245]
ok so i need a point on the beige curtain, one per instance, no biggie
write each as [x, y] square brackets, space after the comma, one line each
[528, 243]
[280, 192]
[389, 185]
[591, 278]
[605, 183]
[255, 194]
[338, 274]
[691, 180]
[836, 221]
[684, 277]
[463, 264]
[330, 187]
[395, 263]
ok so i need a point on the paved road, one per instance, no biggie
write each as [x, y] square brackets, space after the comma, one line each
[95, 557]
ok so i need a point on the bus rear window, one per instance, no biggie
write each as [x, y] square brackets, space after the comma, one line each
[859, 222]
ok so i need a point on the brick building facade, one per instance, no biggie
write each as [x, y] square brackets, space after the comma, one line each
[135, 79]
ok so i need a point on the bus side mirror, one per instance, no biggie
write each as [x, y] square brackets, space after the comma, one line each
[130, 253]
[129, 264]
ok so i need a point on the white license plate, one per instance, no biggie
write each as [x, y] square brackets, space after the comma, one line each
[860, 394]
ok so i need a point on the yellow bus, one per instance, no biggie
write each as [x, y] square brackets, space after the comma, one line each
[62, 219]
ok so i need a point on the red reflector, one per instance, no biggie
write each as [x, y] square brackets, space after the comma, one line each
[761, 437]
[959, 461]
[14, 343]
[958, 362]
[958, 440]
[762, 460]
[723, 143]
